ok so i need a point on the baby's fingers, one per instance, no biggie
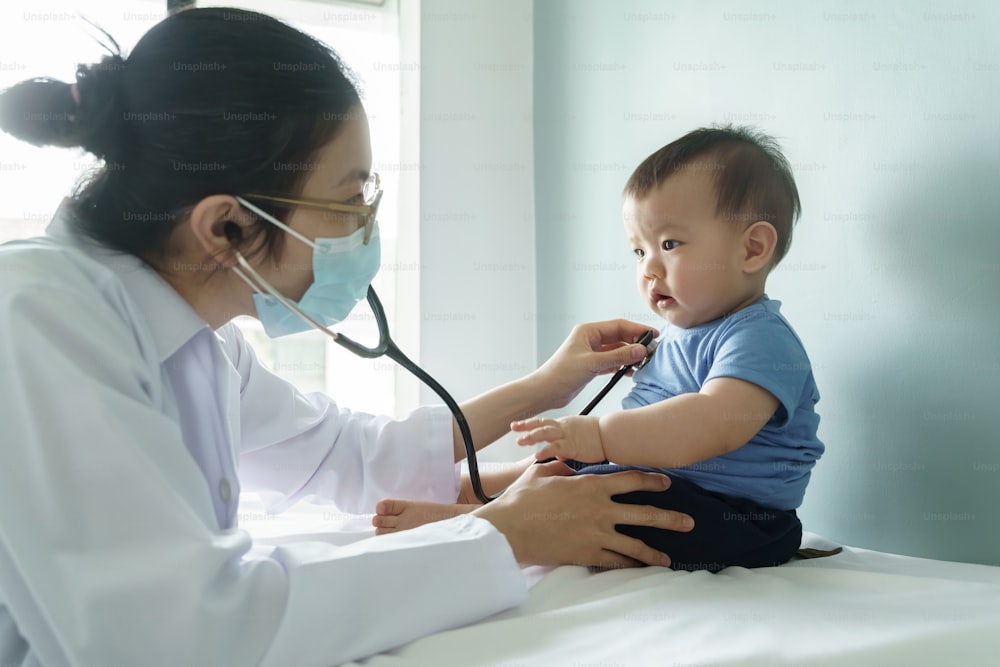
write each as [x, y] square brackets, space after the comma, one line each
[548, 433]
[530, 424]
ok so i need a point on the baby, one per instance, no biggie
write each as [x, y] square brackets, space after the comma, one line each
[725, 407]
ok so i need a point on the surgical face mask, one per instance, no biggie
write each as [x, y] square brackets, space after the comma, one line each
[343, 268]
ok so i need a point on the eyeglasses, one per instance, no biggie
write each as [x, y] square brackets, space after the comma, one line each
[372, 193]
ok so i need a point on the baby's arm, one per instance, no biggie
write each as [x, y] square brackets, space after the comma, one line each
[679, 431]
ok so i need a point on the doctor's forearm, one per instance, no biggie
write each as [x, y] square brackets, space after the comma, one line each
[489, 415]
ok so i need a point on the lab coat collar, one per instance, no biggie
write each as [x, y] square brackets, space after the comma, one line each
[172, 322]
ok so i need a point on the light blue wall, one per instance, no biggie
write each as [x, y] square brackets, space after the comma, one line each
[890, 114]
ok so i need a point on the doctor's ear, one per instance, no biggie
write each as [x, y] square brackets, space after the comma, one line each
[219, 224]
[233, 232]
[760, 240]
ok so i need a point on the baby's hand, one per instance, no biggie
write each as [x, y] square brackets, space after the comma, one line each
[568, 438]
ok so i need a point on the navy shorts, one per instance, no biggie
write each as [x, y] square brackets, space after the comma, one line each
[727, 530]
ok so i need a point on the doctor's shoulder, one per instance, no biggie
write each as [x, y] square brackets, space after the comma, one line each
[46, 262]
[52, 275]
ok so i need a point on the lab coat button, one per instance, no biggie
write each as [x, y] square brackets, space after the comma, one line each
[225, 490]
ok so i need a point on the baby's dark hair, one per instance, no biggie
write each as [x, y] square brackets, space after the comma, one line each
[753, 180]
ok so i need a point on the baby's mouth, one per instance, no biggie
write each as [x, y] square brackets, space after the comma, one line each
[662, 300]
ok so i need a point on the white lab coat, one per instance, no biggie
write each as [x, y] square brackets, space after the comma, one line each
[117, 543]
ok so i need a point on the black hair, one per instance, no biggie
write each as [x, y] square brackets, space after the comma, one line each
[753, 180]
[209, 101]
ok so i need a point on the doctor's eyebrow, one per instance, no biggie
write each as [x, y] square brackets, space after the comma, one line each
[358, 174]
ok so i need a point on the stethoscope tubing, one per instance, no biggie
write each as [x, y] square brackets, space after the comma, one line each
[387, 347]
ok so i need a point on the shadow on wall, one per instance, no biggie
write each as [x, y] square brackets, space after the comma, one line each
[917, 439]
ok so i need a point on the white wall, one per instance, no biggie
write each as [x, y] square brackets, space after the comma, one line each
[890, 115]
[477, 247]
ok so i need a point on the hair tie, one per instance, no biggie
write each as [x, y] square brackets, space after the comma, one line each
[75, 93]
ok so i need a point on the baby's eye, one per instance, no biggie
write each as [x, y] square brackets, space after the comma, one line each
[670, 244]
[639, 253]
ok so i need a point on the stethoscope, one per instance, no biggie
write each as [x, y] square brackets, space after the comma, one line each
[387, 347]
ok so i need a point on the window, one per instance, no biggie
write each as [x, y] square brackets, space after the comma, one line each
[366, 38]
[34, 180]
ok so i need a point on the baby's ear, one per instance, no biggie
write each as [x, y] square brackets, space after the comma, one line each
[760, 240]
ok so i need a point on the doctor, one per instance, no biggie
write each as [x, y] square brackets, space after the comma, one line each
[133, 412]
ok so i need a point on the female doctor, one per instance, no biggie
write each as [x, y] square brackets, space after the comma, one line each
[133, 411]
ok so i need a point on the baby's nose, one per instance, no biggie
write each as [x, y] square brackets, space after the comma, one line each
[653, 269]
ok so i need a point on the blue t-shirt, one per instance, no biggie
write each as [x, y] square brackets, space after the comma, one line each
[758, 345]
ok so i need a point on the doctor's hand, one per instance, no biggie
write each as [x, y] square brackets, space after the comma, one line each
[575, 438]
[589, 350]
[552, 516]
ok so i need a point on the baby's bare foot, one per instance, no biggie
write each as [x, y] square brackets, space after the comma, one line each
[395, 515]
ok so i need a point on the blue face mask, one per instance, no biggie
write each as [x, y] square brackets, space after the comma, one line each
[343, 268]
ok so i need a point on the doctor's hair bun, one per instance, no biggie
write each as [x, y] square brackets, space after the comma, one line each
[209, 100]
[48, 112]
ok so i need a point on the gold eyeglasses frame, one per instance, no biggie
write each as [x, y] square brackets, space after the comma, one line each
[369, 209]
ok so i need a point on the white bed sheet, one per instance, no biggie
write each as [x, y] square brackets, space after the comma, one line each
[859, 607]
